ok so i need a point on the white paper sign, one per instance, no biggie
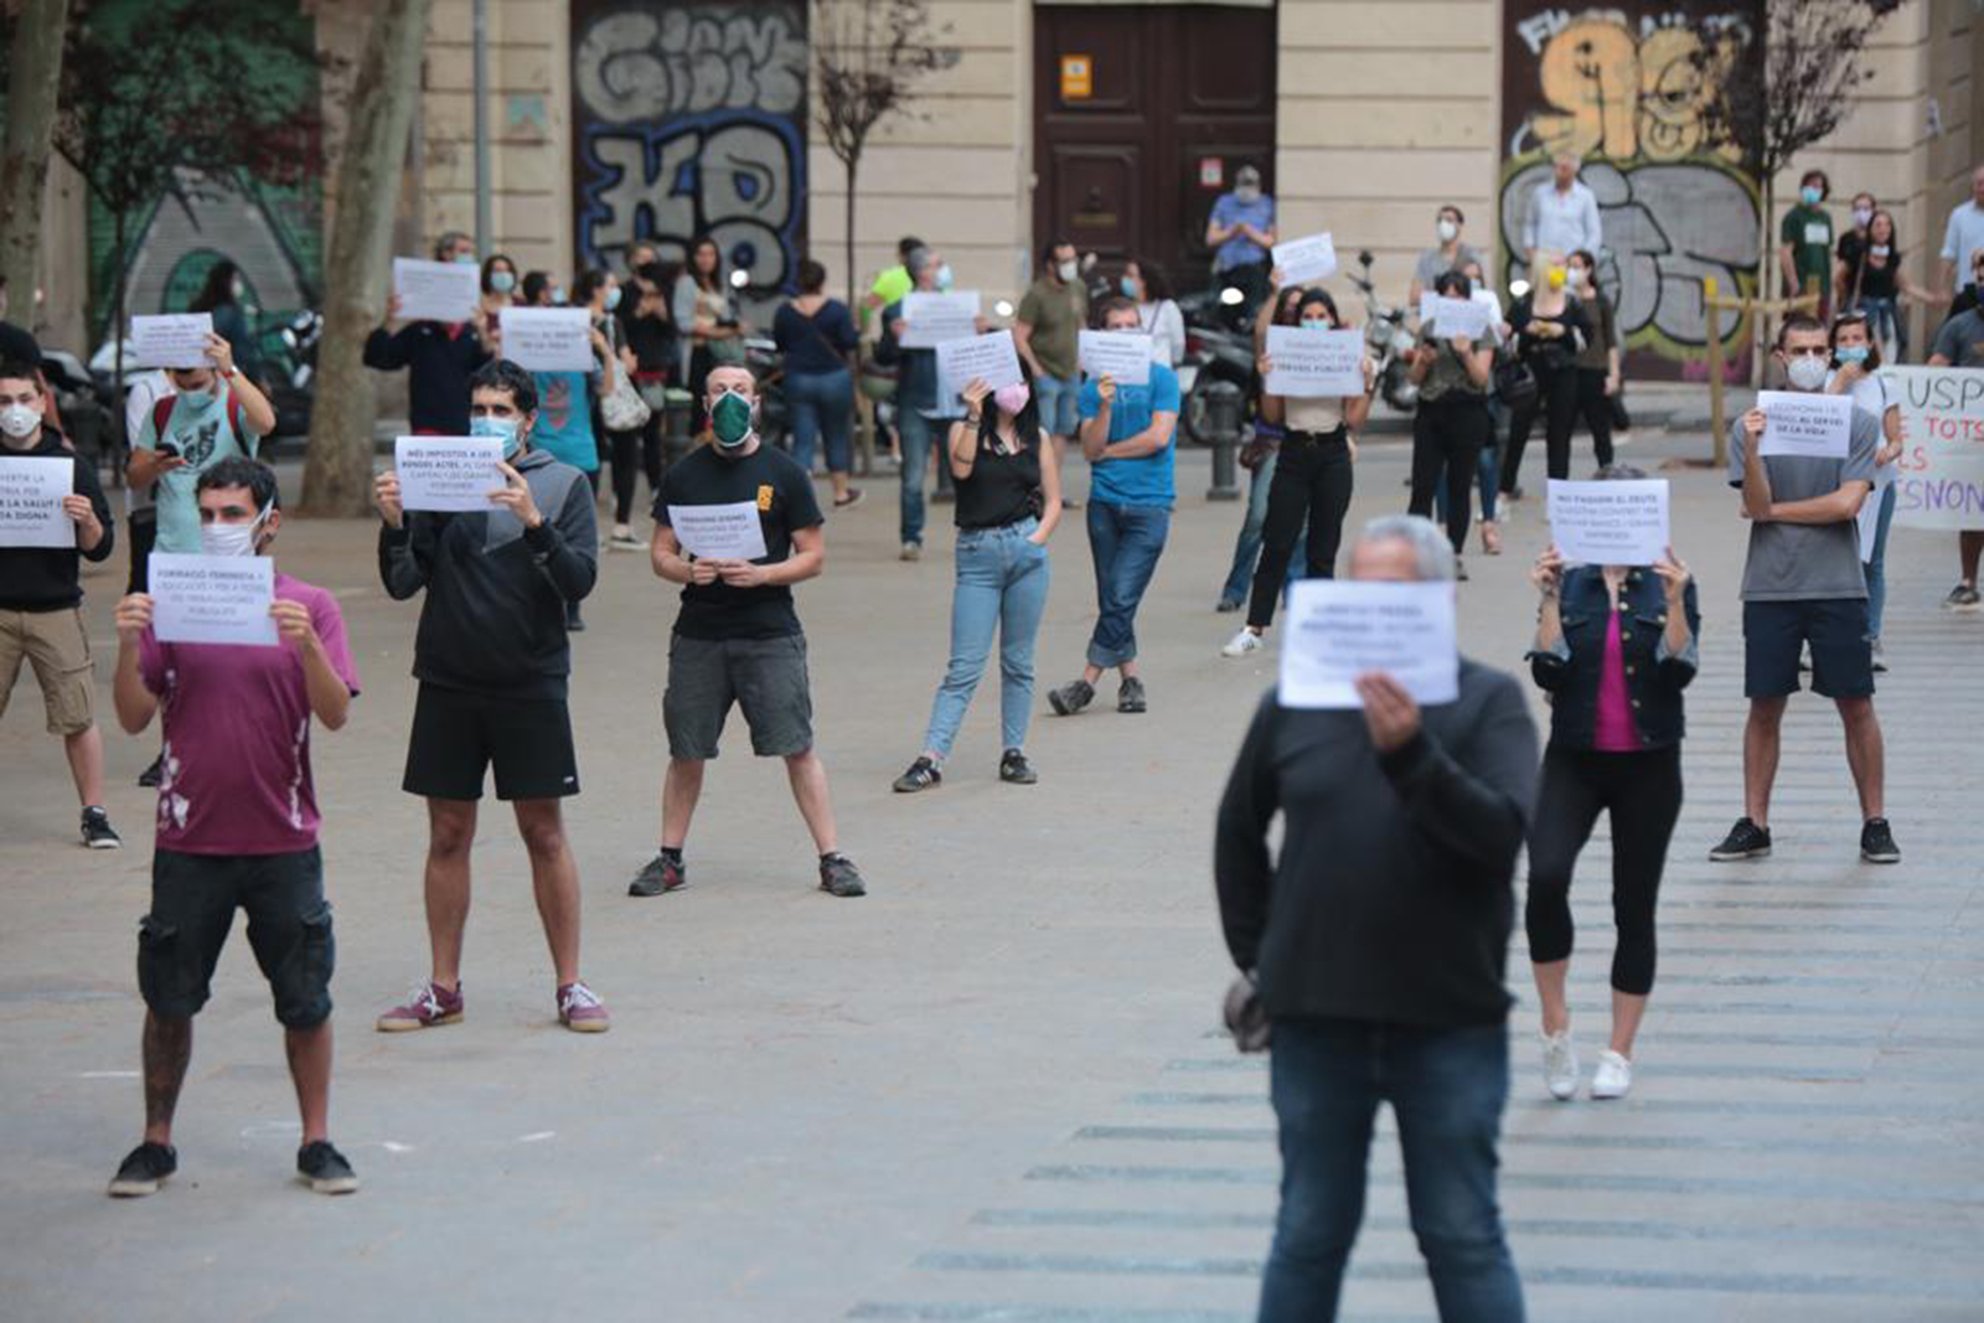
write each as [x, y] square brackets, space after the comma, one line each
[31, 492]
[1122, 355]
[1804, 423]
[719, 532]
[1339, 629]
[934, 318]
[1454, 317]
[437, 291]
[1610, 523]
[548, 339]
[990, 356]
[1870, 511]
[450, 473]
[1818, 232]
[176, 340]
[213, 599]
[1310, 363]
[1303, 260]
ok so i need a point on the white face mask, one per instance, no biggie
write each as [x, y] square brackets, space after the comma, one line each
[1068, 271]
[1808, 373]
[231, 539]
[20, 422]
[1448, 231]
[1574, 277]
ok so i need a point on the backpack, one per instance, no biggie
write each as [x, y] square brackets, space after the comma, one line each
[162, 414]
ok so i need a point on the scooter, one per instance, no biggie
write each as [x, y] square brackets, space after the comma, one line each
[768, 366]
[1389, 342]
[1219, 346]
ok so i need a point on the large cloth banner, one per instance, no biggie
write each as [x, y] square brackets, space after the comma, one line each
[1939, 479]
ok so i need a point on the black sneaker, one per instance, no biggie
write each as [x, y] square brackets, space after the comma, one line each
[1014, 769]
[1746, 840]
[1130, 698]
[839, 876]
[151, 776]
[1877, 843]
[144, 1170]
[97, 833]
[1071, 698]
[324, 1169]
[922, 775]
[661, 876]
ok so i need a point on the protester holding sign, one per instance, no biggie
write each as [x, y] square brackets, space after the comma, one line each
[237, 825]
[1856, 361]
[921, 405]
[215, 413]
[1615, 646]
[1960, 343]
[438, 356]
[1551, 330]
[41, 586]
[1375, 933]
[1451, 426]
[1312, 479]
[1803, 586]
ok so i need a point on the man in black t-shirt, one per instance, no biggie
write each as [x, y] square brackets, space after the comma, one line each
[737, 525]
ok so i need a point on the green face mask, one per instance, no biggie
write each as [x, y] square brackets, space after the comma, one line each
[731, 420]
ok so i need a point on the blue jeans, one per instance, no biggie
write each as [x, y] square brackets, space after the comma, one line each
[1885, 322]
[1002, 584]
[1247, 547]
[1125, 541]
[1055, 399]
[1487, 468]
[1877, 568]
[822, 404]
[917, 432]
[1447, 1088]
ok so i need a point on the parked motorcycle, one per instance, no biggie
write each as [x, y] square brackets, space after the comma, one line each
[1219, 346]
[1389, 342]
[289, 358]
[85, 406]
[768, 366]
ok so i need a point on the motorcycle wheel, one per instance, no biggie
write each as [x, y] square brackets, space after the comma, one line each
[1397, 388]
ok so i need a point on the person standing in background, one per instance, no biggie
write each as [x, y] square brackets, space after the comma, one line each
[1963, 236]
[920, 409]
[1804, 253]
[222, 296]
[1876, 280]
[1550, 330]
[815, 335]
[1451, 426]
[1145, 283]
[1598, 362]
[1856, 361]
[1562, 216]
[648, 330]
[1047, 332]
[706, 312]
[1241, 232]
[438, 356]
[499, 291]
[1449, 254]
[563, 428]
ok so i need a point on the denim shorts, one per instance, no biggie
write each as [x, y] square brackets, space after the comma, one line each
[1057, 397]
[194, 897]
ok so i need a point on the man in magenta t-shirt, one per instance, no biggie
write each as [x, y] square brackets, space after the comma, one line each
[237, 824]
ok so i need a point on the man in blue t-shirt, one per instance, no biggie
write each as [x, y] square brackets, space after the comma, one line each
[1240, 231]
[1127, 437]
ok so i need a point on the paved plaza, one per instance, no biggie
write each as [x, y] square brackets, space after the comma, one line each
[994, 1089]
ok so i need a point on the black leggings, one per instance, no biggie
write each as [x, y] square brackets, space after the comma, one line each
[643, 445]
[1595, 407]
[1447, 437]
[1557, 400]
[1643, 793]
[1312, 480]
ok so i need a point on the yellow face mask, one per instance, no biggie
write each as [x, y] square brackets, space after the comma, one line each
[1556, 277]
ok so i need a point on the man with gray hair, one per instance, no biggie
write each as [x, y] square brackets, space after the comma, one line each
[923, 411]
[1562, 215]
[1376, 943]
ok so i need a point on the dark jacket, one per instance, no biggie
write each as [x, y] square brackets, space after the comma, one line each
[1391, 900]
[439, 360]
[494, 619]
[1655, 677]
[1550, 353]
[917, 388]
[50, 578]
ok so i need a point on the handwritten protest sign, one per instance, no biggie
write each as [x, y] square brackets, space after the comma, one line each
[174, 340]
[1801, 423]
[548, 339]
[719, 532]
[448, 473]
[990, 356]
[934, 318]
[1609, 523]
[213, 599]
[31, 492]
[1454, 317]
[1338, 629]
[1315, 363]
[436, 291]
[1122, 355]
[1304, 260]
[1939, 479]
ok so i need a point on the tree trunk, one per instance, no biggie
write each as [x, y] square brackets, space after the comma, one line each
[853, 166]
[337, 475]
[34, 69]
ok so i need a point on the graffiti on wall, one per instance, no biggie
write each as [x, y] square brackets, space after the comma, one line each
[1636, 92]
[691, 119]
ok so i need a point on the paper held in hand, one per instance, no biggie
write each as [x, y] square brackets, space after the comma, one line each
[1303, 260]
[1123, 356]
[454, 474]
[213, 599]
[1338, 629]
[934, 318]
[1610, 523]
[1315, 363]
[1454, 317]
[1806, 423]
[719, 532]
[31, 492]
[173, 340]
[990, 356]
[436, 291]
[549, 339]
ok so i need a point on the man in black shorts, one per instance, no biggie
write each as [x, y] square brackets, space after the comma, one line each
[1803, 585]
[237, 825]
[493, 658]
[737, 639]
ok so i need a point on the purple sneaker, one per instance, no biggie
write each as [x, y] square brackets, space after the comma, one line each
[581, 1011]
[429, 1006]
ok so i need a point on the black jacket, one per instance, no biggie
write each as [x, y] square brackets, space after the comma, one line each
[1391, 900]
[494, 619]
[50, 578]
[438, 360]
[1569, 673]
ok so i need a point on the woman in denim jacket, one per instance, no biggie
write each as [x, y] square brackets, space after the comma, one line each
[1615, 646]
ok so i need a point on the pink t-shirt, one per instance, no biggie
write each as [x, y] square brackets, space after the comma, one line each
[1614, 732]
[236, 772]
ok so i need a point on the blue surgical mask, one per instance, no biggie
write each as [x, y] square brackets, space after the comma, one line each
[1811, 195]
[502, 282]
[465, 259]
[501, 429]
[1317, 324]
[1851, 353]
[196, 399]
[612, 298]
[945, 276]
[558, 294]
[1129, 288]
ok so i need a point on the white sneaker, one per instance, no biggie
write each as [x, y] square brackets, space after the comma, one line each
[1241, 644]
[1614, 1076]
[1560, 1065]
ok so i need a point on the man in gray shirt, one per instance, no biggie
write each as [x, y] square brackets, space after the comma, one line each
[1803, 586]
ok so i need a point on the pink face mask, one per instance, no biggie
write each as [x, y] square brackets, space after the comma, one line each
[1011, 399]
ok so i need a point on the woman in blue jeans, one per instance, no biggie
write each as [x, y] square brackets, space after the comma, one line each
[815, 334]
[1008, 502]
